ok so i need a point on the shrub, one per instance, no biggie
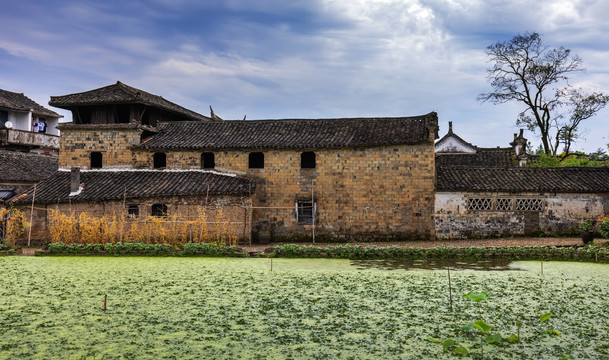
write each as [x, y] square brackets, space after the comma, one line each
[16, 225]
[172, 230]
[603, 226]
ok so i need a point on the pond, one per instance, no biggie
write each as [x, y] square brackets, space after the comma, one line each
[53, 307]
[435, 264]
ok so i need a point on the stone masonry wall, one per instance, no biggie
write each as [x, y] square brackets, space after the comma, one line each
[381, 192]
[561, 215]
[76, 145]
[231, 209]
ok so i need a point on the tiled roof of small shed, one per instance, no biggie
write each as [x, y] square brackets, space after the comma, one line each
[515, 179]
[120, 93]
[20, 167]
[18, 101]
[293, 133]
[6, 194]
[103, 185]
[484, 157]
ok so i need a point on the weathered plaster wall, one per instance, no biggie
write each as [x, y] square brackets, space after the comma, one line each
[561, 214]
[29, 138]
[380, 192]
[564, 212]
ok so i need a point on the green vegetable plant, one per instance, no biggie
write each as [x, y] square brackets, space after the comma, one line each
[484, 330]
[482, 327]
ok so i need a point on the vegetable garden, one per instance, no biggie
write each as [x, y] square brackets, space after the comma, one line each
[53, 307]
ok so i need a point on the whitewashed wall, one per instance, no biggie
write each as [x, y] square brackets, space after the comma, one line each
[561, 214]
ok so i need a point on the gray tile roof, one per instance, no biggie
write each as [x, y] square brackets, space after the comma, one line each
[105, 185]
[20, 167]
[294, 133]
[484, 157]
[120, 93]
[516, 179]
[17, 101]
[6, 194]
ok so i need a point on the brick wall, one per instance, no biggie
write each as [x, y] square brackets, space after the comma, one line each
[233, 209]
[380, 192]
[76, 145]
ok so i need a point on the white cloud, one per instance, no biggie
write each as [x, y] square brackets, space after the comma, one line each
[321, 58]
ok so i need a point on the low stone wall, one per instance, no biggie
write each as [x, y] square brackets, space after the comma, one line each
[557, 214]
[491, 224]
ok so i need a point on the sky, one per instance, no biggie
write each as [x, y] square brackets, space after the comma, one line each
[269, 59]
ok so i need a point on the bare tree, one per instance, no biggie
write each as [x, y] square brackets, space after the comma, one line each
[526, 70]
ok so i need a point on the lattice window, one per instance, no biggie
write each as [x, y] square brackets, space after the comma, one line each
[480, 204]
[505, 204]
[529, 204]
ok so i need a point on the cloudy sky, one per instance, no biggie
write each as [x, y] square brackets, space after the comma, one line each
[306, 59]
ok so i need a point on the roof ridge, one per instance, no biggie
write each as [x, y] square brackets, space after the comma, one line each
[249, 121]
[13, 92]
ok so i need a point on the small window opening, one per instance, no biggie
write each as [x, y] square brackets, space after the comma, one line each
[3, 118]
[256, 160]
[133, 211]
[160, 160]
[123, 114]
[208, 161]
[158, 210]
[305, 211]
[96, 160]
[307, 160]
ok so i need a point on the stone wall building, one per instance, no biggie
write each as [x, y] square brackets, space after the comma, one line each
[333, 178]
[355, 178]
[489, 192]
[139, 194]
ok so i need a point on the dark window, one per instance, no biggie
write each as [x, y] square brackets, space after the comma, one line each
[82, 115]
[256, 160]
[160, 160]
[158, 210]
[307, 160]
[133, 211]
[305, 211]
[123, 114]
[208, 161]
[96, 160]
[3, 118]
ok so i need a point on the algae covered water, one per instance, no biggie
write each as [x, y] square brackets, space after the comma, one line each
[53, 307]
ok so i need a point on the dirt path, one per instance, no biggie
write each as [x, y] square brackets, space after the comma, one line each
[549, 241]
[29, 251]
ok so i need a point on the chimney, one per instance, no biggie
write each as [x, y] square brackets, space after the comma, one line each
[450, 127]
[74, 180]
[520, 148]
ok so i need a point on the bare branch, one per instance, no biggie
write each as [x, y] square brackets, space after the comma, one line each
[525, 70]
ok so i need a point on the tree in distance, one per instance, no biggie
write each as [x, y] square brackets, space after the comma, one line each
[526, 70]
